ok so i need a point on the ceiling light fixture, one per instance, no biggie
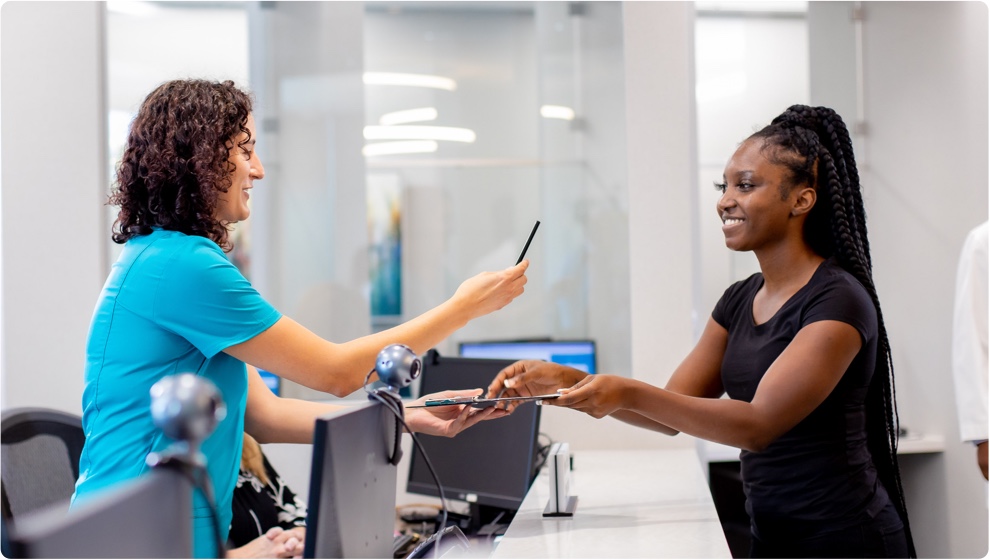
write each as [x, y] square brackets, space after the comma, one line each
[448, 133]
[407, 147]
[557, 112]
[414, 80]
[408, 116]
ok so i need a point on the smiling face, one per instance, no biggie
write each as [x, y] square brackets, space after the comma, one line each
[232, 206]
[758, 207]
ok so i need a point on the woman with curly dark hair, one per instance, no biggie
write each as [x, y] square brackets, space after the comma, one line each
[800, 348]
[176, 172]
[174, 303]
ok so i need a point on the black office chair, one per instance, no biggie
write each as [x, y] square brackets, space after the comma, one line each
[39, 459]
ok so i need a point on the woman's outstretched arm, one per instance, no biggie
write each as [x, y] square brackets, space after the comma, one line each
[699, 375]
[273, 419]
[294, 352]
[799, 380]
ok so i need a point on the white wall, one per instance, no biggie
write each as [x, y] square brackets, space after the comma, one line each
[740, 89]
[924, 171]
[662, 166]
[53, 182]
[926, 179]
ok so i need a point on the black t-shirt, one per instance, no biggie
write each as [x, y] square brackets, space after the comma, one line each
[258, 507]
[819, 476]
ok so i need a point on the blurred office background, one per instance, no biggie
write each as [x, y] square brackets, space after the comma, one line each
[606, 121]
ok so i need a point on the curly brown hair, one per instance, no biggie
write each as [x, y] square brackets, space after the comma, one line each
[176, 160]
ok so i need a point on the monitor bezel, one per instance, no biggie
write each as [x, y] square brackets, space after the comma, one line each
[532, 341]
[153, 514]
[426, 485]
[343, 521]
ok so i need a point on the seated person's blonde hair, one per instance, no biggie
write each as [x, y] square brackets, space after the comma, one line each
[252, 459]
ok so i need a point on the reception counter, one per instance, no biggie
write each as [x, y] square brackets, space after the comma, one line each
[631, 504]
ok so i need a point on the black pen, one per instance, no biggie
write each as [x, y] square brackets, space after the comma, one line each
[526, 247]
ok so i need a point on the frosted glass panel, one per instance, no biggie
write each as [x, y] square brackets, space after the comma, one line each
[469, 206]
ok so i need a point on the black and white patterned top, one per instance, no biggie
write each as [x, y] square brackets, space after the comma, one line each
[258, 507]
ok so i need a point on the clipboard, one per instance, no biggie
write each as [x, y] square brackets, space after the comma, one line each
[481, 402]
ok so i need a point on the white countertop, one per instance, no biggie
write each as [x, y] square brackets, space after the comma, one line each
[631, 504]
[912, 443]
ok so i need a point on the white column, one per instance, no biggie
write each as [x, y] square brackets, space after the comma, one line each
[54, 185]
[662, 160]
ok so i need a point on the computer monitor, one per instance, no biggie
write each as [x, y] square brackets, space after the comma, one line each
[148, 517]
[352, 484]
[271, 380]
[492, 464]
[579, 354]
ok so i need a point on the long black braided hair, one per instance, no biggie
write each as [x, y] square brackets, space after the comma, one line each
[814, 144]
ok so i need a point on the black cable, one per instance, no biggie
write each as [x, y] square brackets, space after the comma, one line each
[199, 477]
[493, 525]
[205, 489]
[393, 402]
[397, 445]
[400, 416]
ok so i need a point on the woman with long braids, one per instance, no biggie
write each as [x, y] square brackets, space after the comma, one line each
[800, 348]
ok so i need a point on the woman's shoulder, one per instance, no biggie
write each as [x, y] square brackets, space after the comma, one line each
[833, 276]
[745, 286]
[838, 294]
[733, 303]
[164, 254]
[174, 247]
[177, 240]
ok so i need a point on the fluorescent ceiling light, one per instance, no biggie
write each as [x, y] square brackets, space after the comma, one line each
[408, 116]
[415, 80]
[557, 112]
[419, 133]
[131, 7]
[407, 147]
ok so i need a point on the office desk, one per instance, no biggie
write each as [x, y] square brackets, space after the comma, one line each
[631, 504]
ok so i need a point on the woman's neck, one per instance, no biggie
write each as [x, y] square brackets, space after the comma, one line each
[788, 268]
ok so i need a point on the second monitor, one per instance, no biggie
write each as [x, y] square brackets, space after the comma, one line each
[492, 464]
[578, 354]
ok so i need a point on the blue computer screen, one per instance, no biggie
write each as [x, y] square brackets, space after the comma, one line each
[578, 354]
[273, 381]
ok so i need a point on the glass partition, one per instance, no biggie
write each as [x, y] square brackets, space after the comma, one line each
[410, 145]
[437, 133]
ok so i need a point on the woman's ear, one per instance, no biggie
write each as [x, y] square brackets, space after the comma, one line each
[804, 201]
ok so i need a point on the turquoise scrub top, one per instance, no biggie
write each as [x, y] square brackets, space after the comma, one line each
[172, 303]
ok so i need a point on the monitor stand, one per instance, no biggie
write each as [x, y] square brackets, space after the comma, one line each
[480, 520]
